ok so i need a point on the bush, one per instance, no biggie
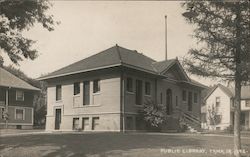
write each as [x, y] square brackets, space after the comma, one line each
[154, 113]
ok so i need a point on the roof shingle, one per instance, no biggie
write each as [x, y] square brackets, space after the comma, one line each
[113, 56]
[9, 80]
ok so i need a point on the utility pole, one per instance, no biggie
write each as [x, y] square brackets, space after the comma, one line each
[166, 37]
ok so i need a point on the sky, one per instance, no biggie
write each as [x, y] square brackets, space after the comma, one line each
[87, 28]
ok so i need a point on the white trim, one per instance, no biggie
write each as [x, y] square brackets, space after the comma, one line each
[19, 108]
[22, 95]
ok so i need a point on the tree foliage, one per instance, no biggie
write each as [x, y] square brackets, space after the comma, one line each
[17, 16]
[221, 27]
[222, 31]
[213, 116]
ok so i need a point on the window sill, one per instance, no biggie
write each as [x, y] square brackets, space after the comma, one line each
[19, 100]
[86, 106]
[147, 95]
[97, 93]
[138, 105]
[58, 101]
[130, 92]
[78, 95]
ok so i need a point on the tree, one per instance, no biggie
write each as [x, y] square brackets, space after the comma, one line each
[222, 33]
[17, 16]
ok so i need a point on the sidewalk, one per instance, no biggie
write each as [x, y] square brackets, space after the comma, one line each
[14, 132]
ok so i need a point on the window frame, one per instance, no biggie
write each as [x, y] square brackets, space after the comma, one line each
[139, 93]
[176, 100]
[57, 96]
[17, 91]
[83, 124]
[77, 88]
[94, 124]
[161, 98]
[2, 111]
[195, 97]
[96, 86]
[74, 124]
[217, 103]
[147, 88]
[85, 85]
[247, 102]
[23, 117]
[129, 84]
[184, 95]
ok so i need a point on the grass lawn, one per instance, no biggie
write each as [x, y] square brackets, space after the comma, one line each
[117, 144]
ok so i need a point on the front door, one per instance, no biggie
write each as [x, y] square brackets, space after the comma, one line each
[58, 119]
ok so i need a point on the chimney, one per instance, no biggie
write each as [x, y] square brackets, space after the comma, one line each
[166, 38]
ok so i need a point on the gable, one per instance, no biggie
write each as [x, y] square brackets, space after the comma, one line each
[218, 92]
[176, 72]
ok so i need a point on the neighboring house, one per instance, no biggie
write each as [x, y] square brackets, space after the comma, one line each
[16, 101]
[105, 91]
[221, 99]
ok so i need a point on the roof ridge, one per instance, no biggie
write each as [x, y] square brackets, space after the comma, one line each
[163, 61]
[136, 52]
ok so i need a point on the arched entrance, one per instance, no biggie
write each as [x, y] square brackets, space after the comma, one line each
[169, 102]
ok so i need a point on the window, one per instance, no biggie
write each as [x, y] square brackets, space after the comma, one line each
[195, 98]
[19, 95]
[75, 123]
[129, 123]
[161, 98]
[169, 107]
[2, 113]
[58, 92]
[217, 100]
[147, 88]
[19, 114]
[85, 123]
[96, 86]
[190, 101]
[184, 95]
[86, 93]
[176, 101]
[76, 88]
[247, 103]
[129, 84]
[95, 123]
[138, 94]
